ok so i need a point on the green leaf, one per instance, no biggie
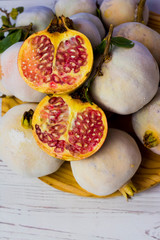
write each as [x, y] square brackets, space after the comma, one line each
[5, 21]
[20, 9]
[1, 35]
[101, 47]
[10, 40]
[14, 13]
[122, 42]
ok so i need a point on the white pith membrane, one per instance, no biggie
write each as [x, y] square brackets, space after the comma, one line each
[66, 130]
[48, 66]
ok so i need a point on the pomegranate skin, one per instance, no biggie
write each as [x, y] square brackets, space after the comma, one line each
[70, 7]
[19, 149]
[120, 11]
[111, 167]
[94, 19]
[146, 122]
[88, 29]
[129, 81]
[141, 33]
[39, 16]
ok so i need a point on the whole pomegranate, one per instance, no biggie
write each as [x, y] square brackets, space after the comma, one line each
[56, 60]
[70, 7]
[19, 149]
[141, 33]
[94, 19]
[146, 124]
[88, 29]
[120, 11]
[128, 81]
[67, 128]
[39, 16]
[111, 167]
[11, 79]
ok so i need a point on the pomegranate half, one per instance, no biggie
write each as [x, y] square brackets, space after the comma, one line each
[68, 129]
[57, 59]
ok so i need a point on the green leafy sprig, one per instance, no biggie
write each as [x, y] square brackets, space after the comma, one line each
[15, 34]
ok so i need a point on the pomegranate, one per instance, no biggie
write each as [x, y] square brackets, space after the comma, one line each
[39, 16]
[111, 167]
[94, 19]
[120, 11]
[70, 7]
[18, 147]
[11, 79]
[56, 60]
[141, 33]
[128, 81]
[68, 129]
[146, 124]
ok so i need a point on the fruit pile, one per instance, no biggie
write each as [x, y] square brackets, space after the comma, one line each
[74, 69]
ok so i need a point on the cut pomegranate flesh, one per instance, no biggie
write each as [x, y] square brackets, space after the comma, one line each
[87, 130]
[43, 64]
[77, 135]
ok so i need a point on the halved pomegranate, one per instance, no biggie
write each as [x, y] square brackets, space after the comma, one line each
[57, 59]
[68, 129]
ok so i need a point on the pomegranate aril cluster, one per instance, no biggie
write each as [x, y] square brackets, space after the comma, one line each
[71, 55]
[84, 134]
[87, 130]
[56, 112]
[38, 67]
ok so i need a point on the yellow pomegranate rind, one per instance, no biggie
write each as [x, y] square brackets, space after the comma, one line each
[56, 38]
[75, 106]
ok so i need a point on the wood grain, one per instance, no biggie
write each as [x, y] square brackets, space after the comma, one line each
[154, 21]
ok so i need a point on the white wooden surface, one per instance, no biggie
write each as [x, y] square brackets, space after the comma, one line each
[32, 210]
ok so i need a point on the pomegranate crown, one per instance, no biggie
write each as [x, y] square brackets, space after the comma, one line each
[60, 24]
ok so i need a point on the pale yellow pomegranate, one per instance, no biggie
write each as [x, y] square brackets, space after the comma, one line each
[111, 167]
[141, 33]
[120, 11]
[146, 124]
[129, 80]
[18, 148]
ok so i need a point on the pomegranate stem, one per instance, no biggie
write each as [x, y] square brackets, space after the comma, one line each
[60, 24]
[7, 14]
[28, 28]
[139, 17]
[105, 57]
